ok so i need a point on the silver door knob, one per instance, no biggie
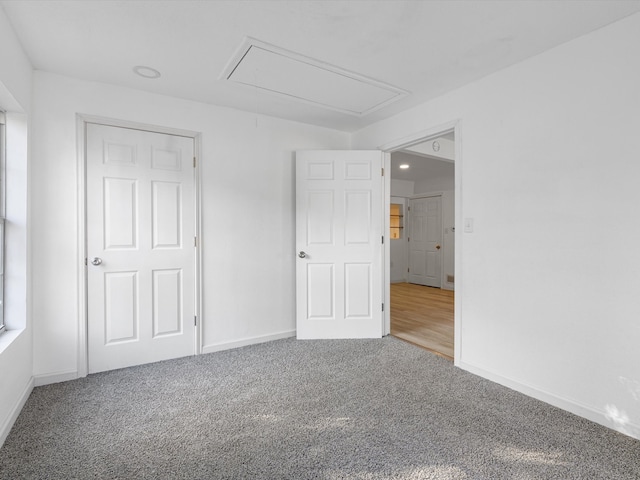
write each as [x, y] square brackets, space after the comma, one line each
[302, 255]
[96, 261]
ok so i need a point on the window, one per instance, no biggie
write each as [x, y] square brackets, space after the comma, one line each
[2, 213]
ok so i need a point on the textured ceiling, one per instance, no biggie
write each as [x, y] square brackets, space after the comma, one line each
[424, 47]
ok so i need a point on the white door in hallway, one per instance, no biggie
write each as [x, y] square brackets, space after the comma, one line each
[339, 273]
[141, 223]
[425, 241]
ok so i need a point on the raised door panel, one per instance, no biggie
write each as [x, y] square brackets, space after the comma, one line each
[355, 170]
[319, 170]
[431, 268]
[167, 302]
[120, 213]
[166, 214]
[166, 159]
[357, 218]
[418, 228]
[121, 307]
[320, 223]
[432, 228]
[358, 292]
[119, 154]
[418, 262]
[321, 291]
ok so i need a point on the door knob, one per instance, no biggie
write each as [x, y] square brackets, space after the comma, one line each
[437, 247]
[96, 261]
[302, 255]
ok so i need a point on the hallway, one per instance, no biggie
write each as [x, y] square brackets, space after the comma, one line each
[423, 316]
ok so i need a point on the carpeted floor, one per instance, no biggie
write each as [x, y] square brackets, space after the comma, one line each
[363, 409]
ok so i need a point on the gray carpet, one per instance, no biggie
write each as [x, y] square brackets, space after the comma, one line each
[364, 409]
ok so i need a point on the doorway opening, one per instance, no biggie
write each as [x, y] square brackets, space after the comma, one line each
[421, 256]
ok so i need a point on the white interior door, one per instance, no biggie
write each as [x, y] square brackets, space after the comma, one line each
[425, 241]
[140, 246]
[339, 208]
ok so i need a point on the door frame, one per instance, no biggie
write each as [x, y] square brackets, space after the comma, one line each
[398, 144]
[416, 197]
[81, 125]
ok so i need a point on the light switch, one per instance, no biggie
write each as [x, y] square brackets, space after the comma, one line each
[468, 225]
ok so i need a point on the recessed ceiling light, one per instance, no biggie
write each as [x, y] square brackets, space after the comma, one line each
[404, 166]
[146, 72]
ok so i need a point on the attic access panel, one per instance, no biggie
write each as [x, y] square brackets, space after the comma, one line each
[307, 80]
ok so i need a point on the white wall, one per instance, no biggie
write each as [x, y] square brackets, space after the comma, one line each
[15, 68]
[547, 284]
[16, 348]
[247, 174]
[436, 184]
[402, 188]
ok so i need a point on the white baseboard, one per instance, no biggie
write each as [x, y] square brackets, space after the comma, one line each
[49, 378]
[15, 411]
[596, 415]
[217, 347]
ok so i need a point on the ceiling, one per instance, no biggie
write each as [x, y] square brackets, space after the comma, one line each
[420, 48]
[422, 168]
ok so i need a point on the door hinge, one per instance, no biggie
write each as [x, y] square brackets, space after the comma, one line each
[195, 241]
[195, 320]
[408, 270]
[383, 171]
[383, 239]
[383, 307]
[194, 162]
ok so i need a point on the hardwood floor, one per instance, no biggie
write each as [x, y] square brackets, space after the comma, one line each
[423, 316]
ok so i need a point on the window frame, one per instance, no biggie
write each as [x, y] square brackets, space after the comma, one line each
[3, 147]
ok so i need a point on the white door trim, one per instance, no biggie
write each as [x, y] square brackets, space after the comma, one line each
[398, 144]
[425, 195]
[81, 122]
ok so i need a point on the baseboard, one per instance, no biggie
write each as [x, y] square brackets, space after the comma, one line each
[217, 347]
[49, 378]
[577, 408]
[15, 411]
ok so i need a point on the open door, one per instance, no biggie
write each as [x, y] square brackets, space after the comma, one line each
[339, 240]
